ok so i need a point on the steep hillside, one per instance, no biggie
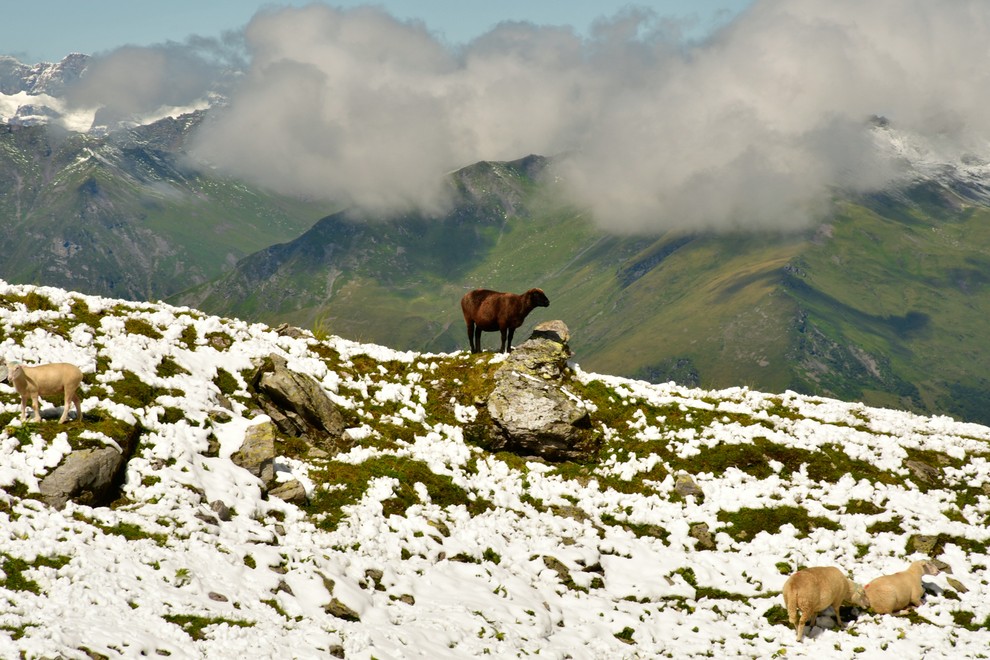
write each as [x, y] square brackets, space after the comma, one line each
[883, 302]
[410, 538]
[125, 215]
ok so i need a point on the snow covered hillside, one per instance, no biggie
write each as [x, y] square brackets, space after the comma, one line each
[414, 540]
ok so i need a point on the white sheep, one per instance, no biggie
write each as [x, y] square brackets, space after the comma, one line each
[812, 590]
[890, 593]
[43, 380]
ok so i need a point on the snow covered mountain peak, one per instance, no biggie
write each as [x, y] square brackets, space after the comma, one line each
[35, 94]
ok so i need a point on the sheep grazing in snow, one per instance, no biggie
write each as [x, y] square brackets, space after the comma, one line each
[811, 590]
[43, 380]
[488, 311]
[890, 593]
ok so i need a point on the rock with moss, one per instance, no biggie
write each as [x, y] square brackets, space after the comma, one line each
[529, 406]
[296, 402]
[86, 476]
[257, 452]
[89, 476]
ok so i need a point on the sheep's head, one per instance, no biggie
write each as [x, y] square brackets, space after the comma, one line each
[11, 370]
[537, 298]
[857, 595]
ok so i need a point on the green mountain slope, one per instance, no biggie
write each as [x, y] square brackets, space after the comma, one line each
[884, 303]
[124, 214]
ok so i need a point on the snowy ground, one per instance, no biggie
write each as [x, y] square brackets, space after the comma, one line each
[591, 561]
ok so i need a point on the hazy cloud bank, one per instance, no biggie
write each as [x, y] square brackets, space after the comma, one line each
[750, 128]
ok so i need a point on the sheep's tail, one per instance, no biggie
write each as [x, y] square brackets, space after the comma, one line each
[790, 602]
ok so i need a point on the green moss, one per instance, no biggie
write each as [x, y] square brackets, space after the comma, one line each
[81, 313]
[892, 526]
[189, 337]
[129, 531]
[349, 482]
[862, 507]
[32, 300]
[17, 632]
[194, 625]
[173, 415]
[777, 616]
[225, 382]
[745, 524]
[639, 529]
[221, 341]
[967, 620]
[14, 569]
[138, 326]
[132, 391]
[169, 367]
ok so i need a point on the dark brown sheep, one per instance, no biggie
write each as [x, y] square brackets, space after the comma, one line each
[488, 311]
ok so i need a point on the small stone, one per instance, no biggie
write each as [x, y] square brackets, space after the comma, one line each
[220, 598]
[957, 585]
[685, 485]
[221, 509]
[290, 491]
[341, 611]
[924, 471]
[923, 544]
[700, 532]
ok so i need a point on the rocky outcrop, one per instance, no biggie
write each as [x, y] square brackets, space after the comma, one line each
[532, 410]
[297, 403]
[89, 476]
[257, 452]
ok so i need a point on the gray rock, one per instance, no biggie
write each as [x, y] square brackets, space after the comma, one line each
[341, 611]
[296, 402]
[957, 585]
[701, 533]
[684, 485]
[290, 491]
[924, 472]
[90, 476]
[923, 543]
[221, 509]
[257, 452]
[529, 405]
[86, 476]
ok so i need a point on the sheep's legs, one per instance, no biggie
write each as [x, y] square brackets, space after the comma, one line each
[37, 410]
[506, 339]
[476, 342]
[471, 340]
[70, 399]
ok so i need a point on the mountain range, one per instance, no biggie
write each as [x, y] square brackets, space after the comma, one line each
[883, 301]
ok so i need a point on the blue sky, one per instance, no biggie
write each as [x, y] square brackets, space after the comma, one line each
[46, 30]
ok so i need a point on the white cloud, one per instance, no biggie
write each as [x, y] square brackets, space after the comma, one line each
[750, 128]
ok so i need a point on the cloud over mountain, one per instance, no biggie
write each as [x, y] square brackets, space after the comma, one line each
[751, 127]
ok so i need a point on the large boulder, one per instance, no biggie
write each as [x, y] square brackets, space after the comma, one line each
[89, 476]
[533, 413]
[297, 403]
